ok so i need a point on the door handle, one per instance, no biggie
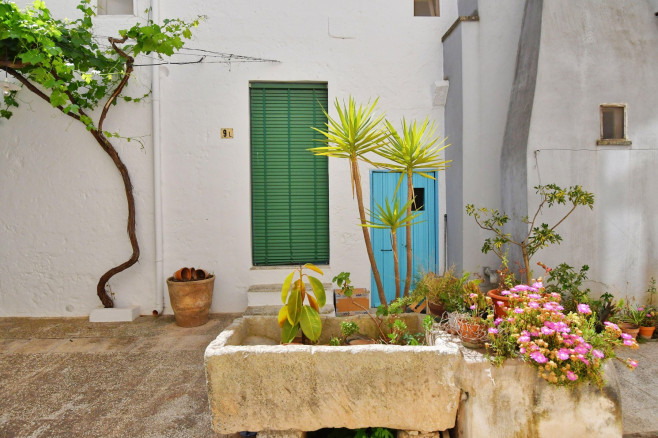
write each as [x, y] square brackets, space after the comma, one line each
[387, 250]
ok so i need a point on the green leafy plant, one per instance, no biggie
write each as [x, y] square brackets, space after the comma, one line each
[61, 62]
[537, 237]
[295, 314]
[374, 432]
[392, 217]
[438, 289]
[630, 313]
[348, 328]
[568, 282]
[354, 134]
[413, 150]
[651, 291]
[343, 281]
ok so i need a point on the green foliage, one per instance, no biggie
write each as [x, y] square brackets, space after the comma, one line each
[334, 342]
[355, 133]
[391, 217]
[538, 236]
[413, 151]
[343, 281]
[295, 314]
[374, 432]
[64, 58]
[569, 284]
[448, 289]
[348, 328]
[428, 322]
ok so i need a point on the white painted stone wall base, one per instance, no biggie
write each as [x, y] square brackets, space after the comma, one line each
[124, 314]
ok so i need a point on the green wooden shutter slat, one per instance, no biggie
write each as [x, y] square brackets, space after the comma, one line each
[290, 202]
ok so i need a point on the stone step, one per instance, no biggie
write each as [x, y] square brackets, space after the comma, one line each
[265, 299]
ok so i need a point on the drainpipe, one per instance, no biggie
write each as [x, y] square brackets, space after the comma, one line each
[157, 179]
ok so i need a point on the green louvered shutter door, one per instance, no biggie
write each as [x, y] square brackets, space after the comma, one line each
[289, 185]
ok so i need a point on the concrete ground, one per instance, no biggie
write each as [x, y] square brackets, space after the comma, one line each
[72, 378]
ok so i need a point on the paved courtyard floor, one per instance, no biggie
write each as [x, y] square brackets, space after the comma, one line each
[72, 378]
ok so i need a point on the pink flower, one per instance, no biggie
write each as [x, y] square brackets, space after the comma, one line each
[583, 360]
[533, 305]
[524, 338]
[505, 292]
[640, 309]
[547, 331]
[497, 321]
[522, 350]
[626, 336]
[472, 307]
[611, 324]
[563, 354]
[572, 376]
[534, 296]
[500, 303]
[628, 342]
[537, 285]
[493, 330]
[580, 350]
[597, 353]
[631, 363]
[518, 310]
[584, 309]
[538, 357]
[473, 295]
[555, 295]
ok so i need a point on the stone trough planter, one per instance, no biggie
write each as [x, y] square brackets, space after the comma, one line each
[428, 388]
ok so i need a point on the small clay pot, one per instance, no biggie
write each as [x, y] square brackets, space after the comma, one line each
[499, 310]
[183, 274]
[436, 308]
[630, 329]
[647, 332]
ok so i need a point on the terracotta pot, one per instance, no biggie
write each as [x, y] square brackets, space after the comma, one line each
[629, 328]
[471, 333]
[499, 311]
[436, 308]
[183, 274]
[647, 332]
[191, 300]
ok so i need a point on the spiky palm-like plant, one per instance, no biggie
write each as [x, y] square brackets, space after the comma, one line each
[393, 217]
[355, 133]
[414, 150]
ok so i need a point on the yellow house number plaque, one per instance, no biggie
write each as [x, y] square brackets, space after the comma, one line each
[227, 132]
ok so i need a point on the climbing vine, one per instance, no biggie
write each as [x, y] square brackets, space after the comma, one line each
[65, 64]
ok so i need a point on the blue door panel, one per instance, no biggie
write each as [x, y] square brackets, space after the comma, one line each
[423, 234]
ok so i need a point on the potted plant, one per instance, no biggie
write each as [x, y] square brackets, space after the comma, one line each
[295, 315]
[190, 293]
[648, 324]
[442, 292]
[629, 317]
[469, 321]
[565, 347]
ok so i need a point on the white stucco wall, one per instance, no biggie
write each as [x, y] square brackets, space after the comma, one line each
[64, 212]
[368, 49]
[594, 53]
[488, 58]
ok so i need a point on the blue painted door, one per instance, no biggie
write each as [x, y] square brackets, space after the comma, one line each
[424, 235]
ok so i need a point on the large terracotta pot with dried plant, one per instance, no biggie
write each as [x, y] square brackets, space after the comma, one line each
[190, 293]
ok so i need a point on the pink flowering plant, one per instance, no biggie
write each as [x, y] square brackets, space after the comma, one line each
[564, 347]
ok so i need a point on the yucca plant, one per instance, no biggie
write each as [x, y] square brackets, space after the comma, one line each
[413, 150]
[295, 314]
[355, 133]
[393, 217]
